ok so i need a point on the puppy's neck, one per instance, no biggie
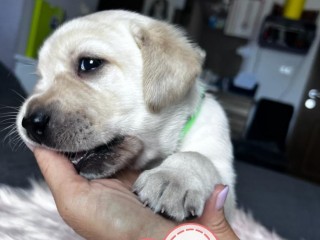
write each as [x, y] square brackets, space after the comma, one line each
[164, 140]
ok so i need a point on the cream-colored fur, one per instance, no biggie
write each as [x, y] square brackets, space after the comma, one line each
[145, 88]
[32, 215]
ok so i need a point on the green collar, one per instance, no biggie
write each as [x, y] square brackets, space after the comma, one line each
[192, 119]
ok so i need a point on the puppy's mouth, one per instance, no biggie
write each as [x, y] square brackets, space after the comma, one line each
[78, 157]
[106, 160]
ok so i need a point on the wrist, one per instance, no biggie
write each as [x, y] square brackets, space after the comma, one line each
[157, 229]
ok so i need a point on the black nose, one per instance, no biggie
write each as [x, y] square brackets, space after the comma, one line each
[36, 124]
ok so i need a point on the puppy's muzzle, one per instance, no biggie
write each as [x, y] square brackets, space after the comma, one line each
[36, 125]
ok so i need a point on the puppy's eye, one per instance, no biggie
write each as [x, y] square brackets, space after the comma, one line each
[87, 64]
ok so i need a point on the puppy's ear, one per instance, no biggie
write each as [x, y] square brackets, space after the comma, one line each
[171, 64]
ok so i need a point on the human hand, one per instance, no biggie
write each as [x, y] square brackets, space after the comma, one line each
[107, 209]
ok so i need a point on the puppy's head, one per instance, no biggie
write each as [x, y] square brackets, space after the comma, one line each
[101, 76]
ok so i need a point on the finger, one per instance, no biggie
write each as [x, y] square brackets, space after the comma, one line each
[58, 172]
[213, 216]
[127, 177]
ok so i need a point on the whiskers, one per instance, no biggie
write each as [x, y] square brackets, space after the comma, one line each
[22, 98]
[8, 128]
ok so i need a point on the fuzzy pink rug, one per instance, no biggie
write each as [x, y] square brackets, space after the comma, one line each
[32, 215]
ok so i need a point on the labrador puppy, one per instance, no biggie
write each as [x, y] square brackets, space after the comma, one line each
[119, 80]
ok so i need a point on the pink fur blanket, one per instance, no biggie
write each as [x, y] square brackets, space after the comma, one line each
[32, 215]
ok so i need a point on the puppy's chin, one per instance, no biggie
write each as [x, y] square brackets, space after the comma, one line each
[105, 160]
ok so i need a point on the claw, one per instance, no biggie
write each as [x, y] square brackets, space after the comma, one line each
[145, 204]
[192, 212]
[162, 210]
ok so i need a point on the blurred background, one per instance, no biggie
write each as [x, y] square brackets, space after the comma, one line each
[262, 65]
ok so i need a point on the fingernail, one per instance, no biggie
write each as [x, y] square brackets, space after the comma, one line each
[221, 199]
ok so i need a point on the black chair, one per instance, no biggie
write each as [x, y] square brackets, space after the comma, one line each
[265, 139]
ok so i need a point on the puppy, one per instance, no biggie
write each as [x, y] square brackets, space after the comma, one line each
[114, 74]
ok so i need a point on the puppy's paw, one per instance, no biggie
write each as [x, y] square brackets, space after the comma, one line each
[171, 192]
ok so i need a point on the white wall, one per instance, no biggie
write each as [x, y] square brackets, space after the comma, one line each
[24, 26]
[265, 66]
[82, 7]
[15, 18]
[76, 8]
[287, 89]
[10, 18]
[15, 21]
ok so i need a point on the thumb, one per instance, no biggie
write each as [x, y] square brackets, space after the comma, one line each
[58, 172]
[213, 215]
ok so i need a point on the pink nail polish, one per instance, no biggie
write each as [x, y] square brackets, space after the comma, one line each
[221, 199]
